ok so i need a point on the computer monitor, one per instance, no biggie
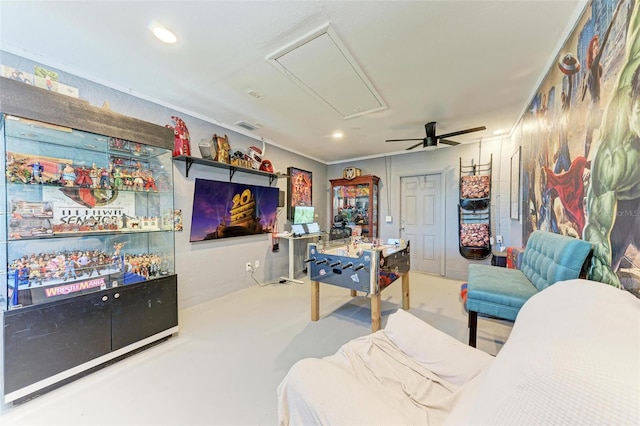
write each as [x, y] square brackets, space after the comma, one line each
[303, 215]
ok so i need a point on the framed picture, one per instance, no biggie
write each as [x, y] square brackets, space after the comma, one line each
[514, 196]
[300, 186]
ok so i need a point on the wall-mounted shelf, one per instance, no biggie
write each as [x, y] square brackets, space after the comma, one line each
[189, 161]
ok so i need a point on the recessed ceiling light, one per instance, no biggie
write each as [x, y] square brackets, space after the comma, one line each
[498, 132]
[337, 135]
[162, 33]
[253, 93]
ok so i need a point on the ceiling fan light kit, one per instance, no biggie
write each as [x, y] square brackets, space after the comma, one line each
[432, 139]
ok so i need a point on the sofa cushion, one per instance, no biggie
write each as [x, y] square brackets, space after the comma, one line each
[449, 358]
[550, 257]
[499, 292]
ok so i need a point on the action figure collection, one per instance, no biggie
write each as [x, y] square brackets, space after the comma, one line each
[45, 269]
[121, 173]
[82, 199]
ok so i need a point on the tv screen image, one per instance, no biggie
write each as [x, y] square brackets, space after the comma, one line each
[226, 209]
[303, 215]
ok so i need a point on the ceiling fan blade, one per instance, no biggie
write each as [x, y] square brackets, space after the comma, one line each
[414, 146]
[462, 132]
[448, 142]
[402, 140]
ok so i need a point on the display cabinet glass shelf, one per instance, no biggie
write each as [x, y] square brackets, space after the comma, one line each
[355, 203]
[87, 241]
[86, 212]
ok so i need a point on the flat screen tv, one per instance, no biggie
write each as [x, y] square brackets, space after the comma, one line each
[303, 214]
[226, 209]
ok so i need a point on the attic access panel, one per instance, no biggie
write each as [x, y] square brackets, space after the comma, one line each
[321, 64]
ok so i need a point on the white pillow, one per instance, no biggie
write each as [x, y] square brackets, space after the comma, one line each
[445, 356]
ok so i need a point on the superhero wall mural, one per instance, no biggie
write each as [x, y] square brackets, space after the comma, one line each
[580, 139]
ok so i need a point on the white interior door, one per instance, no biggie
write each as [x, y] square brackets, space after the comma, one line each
[421, 221]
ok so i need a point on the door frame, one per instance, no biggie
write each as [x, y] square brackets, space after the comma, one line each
[443, 208]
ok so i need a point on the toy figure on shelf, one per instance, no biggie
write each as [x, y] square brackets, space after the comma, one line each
[117, 179]
[181, 145]
[68, 175]
[34, 272]
[70, 269]
[138, 183]
[118, 144]
[255, 155]
[105, 179]
[94, 174]
[83, 179]
[266, 166]
[36, 172]
[136, 148]
[117, 247]
[149, 181]
[222, 148]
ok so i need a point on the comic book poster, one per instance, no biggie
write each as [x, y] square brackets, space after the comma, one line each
[580, 143]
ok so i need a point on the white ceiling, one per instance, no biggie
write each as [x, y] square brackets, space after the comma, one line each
[460, 63]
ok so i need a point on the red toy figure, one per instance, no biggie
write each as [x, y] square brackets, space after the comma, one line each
[82, 177]
[181, 144]
[149, 181]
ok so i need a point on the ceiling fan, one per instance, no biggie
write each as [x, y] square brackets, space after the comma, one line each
[434, 140]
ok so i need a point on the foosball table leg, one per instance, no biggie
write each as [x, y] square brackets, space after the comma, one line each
[375, 312]
[405, 291]
[315, 300]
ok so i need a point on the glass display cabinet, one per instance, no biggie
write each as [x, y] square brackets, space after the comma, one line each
[86, 212]
[87, 246]
[355, 203]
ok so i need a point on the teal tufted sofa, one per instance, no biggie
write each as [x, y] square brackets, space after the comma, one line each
[501, 292]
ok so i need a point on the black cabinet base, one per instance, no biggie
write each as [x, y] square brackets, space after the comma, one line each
[89, 370]
[45, 345]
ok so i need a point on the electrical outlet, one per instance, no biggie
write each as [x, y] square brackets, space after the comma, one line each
[256, 264]
[248, 267]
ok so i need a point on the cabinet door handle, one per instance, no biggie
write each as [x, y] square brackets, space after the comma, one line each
[105, 298]
[116, 296]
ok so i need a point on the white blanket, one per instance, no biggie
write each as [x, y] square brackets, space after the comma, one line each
[371, 379]
[573, 357]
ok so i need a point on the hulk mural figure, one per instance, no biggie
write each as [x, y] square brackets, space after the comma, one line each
[613, 200]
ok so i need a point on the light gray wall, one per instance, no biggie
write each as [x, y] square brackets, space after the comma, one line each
[444, 161]
[210, 269]
[206, 270]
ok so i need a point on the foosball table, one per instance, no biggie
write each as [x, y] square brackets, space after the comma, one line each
[368, 267]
